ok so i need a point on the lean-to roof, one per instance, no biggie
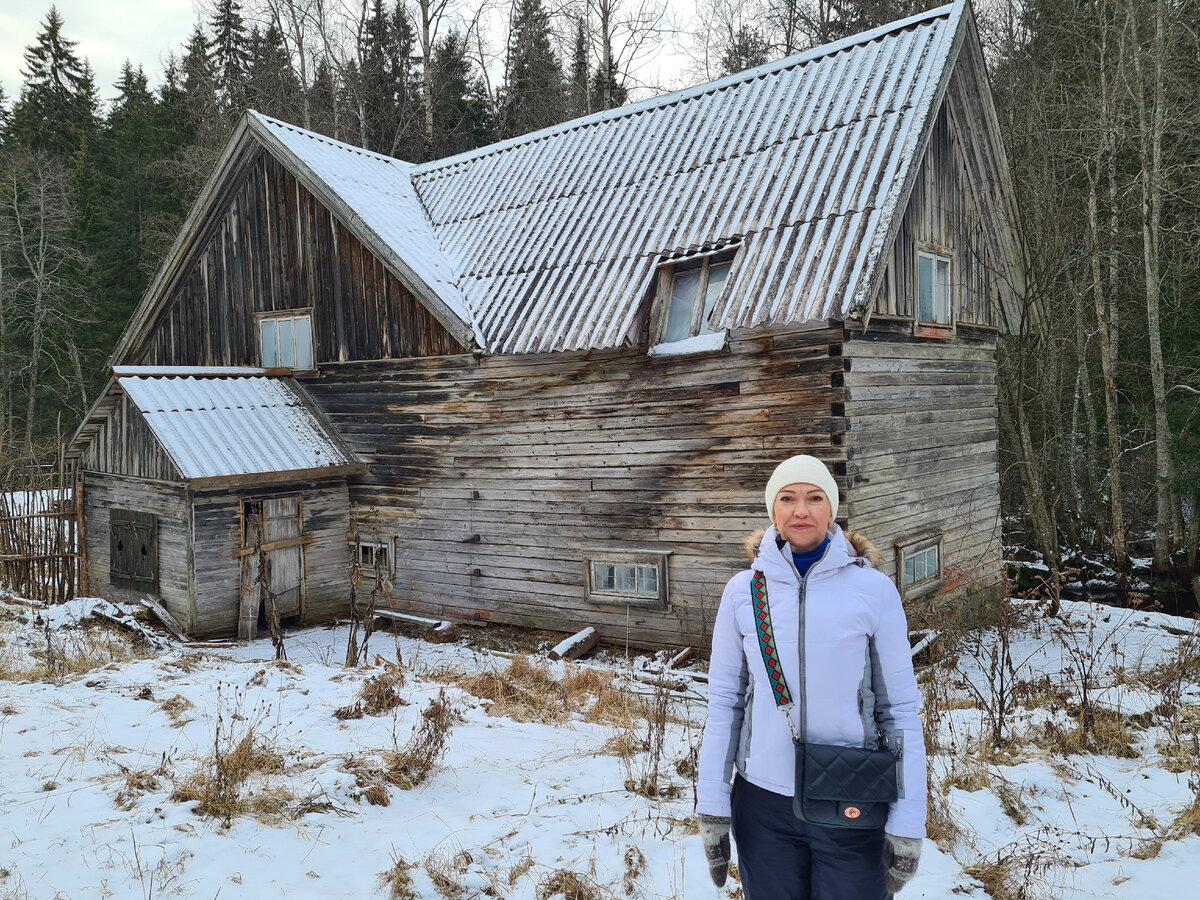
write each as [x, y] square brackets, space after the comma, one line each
[217, 427]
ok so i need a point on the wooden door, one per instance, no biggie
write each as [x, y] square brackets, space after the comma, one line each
[277, 524]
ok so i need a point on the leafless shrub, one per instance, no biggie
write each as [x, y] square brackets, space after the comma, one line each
[644, 767]
[410, 765]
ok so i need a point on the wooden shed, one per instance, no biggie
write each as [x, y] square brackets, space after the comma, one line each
[569, 361]
[190, 477]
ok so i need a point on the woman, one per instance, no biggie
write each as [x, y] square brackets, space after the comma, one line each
[855, 657]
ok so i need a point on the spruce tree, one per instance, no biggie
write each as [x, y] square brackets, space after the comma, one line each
[272, 86]
[229, 55]
[578, 87]
[461, 115]
[532, 96]
[57, 106]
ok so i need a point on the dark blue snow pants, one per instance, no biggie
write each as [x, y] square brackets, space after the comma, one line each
[783, 858]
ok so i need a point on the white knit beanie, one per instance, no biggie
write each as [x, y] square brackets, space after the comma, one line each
[801, 470]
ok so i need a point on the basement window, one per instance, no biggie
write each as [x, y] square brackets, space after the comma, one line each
[285, 340]
[920, 564]
[688, 292]
[933, 288]
[133, 549]
[632, 579]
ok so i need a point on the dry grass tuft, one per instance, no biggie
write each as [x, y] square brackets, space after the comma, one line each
[396, 880]
[635, 866]
[528, 691]
[377, 795]
[444, 872]
[1105, 732]
[570, 886]
[219, 787]
[175, 707]
[137, 782]
[380, 693]
[411, 764]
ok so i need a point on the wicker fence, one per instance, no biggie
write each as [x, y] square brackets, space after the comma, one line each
[39, 529]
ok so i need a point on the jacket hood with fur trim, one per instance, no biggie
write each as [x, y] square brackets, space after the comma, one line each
[861, 544]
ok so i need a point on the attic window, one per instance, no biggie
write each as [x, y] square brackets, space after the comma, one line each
[285, 340]
[688, 291]
[933, 288]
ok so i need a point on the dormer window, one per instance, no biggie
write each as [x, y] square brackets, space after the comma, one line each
[688, 291]
[285, 340]
[933, 288]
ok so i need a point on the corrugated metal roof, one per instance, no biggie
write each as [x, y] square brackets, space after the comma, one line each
[552, 239]
[215, 427]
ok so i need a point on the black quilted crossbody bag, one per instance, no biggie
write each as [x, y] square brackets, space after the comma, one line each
[841, 787]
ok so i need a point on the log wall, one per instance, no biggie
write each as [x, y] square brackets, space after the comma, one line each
[499, 475]
[125, 445]
[923, 451]
[270, 245]
[326, 559]
[169, 502]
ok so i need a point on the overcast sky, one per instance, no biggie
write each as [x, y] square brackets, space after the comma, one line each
[106, 31]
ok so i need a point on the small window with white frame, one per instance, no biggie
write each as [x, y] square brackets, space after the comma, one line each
[688, 291]
[286, 340]
[631, 578]
[920, 565]
[933, 288]
[377, 556]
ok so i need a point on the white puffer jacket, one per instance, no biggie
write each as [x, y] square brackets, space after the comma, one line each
[857, 675]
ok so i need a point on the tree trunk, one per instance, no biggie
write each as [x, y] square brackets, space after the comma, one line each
[1104, 332]
[1150, 131]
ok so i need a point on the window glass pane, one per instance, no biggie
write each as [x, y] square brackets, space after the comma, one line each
[925, 288]
[303, 335]
[269, 354]
[909, 571]
[716, 280]
[287, 349]
[942, 310]
[931, 562]
[627, 579]
[919, 567]
[647, 580]
[602, 577]
[683, 300]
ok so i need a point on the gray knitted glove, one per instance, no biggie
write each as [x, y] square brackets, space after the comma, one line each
[900, 857]
[714, 831]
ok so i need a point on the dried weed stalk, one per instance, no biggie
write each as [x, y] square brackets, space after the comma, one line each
[221, 786]
[410, 765]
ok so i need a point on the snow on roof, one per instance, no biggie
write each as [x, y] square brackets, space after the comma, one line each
[550, 241]
[379, 191]
[213, 427]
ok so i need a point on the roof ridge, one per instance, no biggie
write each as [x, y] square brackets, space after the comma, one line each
[326, 139]
[688, 93]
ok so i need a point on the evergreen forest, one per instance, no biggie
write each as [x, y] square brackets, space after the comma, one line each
[1099, 102]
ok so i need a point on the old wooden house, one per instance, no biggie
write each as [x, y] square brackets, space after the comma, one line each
[554, 373]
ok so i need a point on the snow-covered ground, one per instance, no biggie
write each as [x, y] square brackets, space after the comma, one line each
[535, 802]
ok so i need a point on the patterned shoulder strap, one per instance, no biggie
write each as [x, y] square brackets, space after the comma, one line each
[766, 640]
